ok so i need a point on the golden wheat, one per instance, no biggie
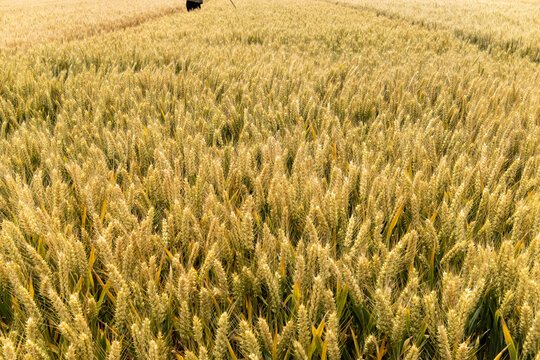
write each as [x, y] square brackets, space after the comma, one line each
[495, 25]
[286, 180]
[26, 23]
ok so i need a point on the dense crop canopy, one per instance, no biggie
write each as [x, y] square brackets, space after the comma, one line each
[296, 180]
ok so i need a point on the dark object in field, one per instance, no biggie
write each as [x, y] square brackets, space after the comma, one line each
[193, 5]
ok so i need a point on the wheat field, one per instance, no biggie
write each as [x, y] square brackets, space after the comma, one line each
[507, 26]
[285, 180]
[26, 23]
